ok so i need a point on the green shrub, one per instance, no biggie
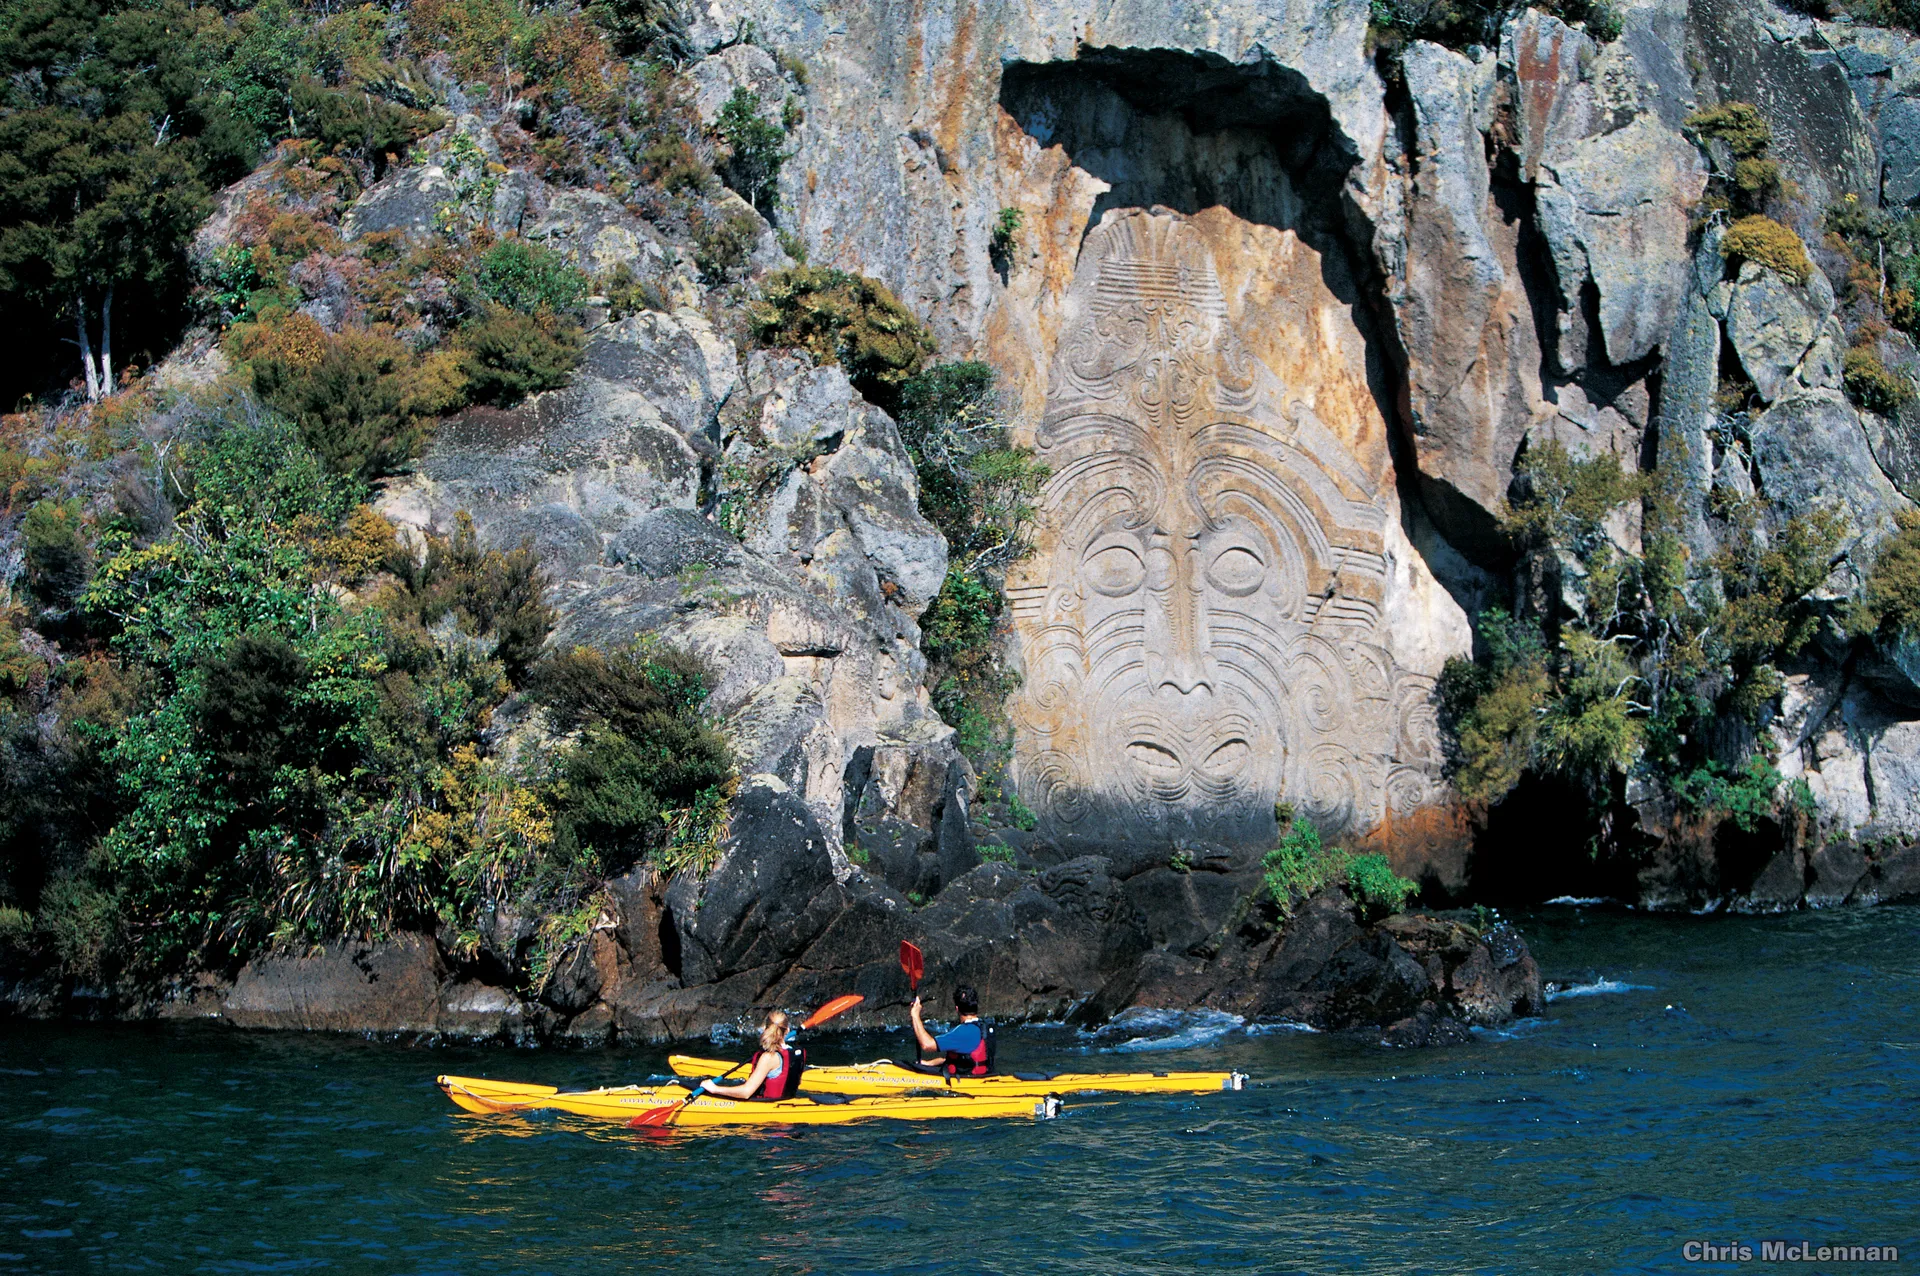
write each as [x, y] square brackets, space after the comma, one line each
[82, 924]
[1745, 796]
[1005, 227]
[356, 122]
[1460, 23]
[1739, 124]
[488, 593]
[722, 241]
[1563, 501]
[1494, 710]
[754, 150]
[506, 355]
[1889, 605]
[526, 277]
[1765, 242]
[652, 30]
[347, 393]
[960, 620]
[58, 556]
[1757, 179]
[16, 928]
[1871, 383]
[1299, 865]
[843, 318]
[265, 471]
[976, 486]
[1375, 886]
[996, 852]
[649, 776]
[628, 294]
[1589, 730]
[19, 668]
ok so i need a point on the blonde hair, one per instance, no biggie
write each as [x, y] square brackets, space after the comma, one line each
[774, 1034]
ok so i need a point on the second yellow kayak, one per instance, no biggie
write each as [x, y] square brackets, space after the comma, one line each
[885, 1077]
[622, 1103]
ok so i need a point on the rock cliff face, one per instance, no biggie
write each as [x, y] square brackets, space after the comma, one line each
[1281, 316]
[1282, 322]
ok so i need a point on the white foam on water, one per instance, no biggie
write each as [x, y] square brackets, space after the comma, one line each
[1168, 1029]
[1283, 1025]
[1577, 901]
[1595, 989]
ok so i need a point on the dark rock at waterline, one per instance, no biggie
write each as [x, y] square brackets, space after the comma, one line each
[774, 924]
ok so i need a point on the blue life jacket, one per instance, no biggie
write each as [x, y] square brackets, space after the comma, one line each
[977, 1062]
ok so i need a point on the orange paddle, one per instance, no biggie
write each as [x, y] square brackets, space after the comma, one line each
[664, 1115]
[913, 963]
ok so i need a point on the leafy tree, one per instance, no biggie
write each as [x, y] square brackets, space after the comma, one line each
[754, 150]
[109, 145]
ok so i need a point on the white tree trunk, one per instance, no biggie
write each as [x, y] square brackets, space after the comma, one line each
[106, 344]
[86, 347]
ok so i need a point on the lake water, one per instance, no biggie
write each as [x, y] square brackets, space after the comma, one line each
[1721, 1079]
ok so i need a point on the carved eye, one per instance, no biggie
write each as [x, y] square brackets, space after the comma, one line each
[1153, 758]
[1228, 758]
[1236, 571]
[1115, 570]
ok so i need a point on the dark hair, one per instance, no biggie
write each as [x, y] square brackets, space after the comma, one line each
[966, 1000]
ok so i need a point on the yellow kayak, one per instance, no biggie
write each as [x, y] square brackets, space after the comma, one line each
[622, 1103]
[886, 1077]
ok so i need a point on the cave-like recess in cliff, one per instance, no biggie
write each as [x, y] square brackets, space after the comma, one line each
[1190, 131]
[1203, 627]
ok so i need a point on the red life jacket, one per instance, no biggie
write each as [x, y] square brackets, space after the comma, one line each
[977, 1062]
[785, 1083]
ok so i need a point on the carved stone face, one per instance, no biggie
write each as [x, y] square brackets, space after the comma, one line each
[1198, 623]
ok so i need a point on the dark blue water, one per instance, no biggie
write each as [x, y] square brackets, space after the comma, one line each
[1721, 1079]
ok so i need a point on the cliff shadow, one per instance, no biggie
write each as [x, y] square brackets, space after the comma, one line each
[1191, 131]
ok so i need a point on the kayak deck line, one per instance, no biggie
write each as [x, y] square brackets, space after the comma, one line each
[620, 1103]
[884, 1077]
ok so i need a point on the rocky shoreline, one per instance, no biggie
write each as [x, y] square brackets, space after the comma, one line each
[772, 925]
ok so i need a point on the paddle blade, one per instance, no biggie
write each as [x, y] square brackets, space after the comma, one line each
[657, 1116]
[838, 1006]
[912, 962]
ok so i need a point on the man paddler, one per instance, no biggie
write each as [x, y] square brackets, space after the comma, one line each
[964, 1050]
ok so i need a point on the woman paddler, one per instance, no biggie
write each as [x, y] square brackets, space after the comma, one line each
[776, 1066]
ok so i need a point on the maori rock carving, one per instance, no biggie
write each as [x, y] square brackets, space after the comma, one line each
[1201, 626]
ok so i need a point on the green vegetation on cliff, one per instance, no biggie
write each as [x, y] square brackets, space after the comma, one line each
[1620, 659]
[978, 487]
[268, 722]
[1459, 24]
[844, 318]
[1301, 863]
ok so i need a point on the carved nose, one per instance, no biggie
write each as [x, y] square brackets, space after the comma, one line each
[1184, 672]
[1177, 651]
